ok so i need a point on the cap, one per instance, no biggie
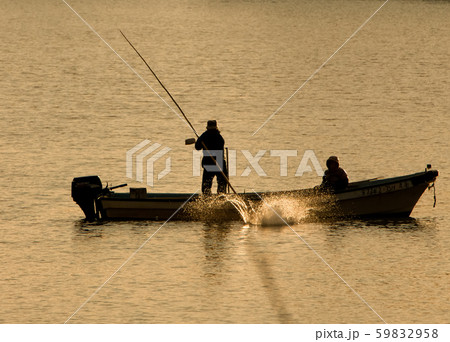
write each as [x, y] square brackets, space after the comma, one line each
[212, 124]
[333, 159]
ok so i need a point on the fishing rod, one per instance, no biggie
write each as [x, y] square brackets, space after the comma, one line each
[162, 85]
[179, 108]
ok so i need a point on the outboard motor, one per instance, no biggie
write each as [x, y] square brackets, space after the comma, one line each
[85, 191]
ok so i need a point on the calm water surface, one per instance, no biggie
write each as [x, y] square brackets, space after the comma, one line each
[70, 107]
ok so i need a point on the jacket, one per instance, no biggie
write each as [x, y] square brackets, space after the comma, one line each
[214, 142]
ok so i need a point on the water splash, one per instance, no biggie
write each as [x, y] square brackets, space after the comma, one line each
[223, 207]
[272, 211]
[245, 210]
[281, 210]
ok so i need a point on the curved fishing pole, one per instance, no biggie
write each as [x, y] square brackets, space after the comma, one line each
[162, 85]
[179, 108]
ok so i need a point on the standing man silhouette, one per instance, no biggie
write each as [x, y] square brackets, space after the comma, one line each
[213, 161]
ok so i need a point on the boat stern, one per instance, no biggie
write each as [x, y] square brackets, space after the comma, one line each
[85, 191]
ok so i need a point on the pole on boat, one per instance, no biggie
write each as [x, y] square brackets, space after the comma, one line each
[228, 167]
[162, 85]
[181, 111]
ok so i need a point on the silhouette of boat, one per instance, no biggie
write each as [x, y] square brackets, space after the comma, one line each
[385, 197]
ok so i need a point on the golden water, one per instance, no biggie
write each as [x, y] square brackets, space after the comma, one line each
[70, 107]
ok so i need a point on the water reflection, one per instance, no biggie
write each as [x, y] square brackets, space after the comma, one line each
[395, 224]
[97, 228]
[83, 228]
[215, 245]
[265, 269]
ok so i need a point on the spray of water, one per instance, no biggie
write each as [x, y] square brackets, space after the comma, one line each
[245, 210]
[280, 210]
[224, 207]
[274, 210]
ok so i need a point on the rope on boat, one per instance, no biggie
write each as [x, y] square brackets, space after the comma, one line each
[434, 193]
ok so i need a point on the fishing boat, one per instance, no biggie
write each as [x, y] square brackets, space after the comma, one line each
[394, 196]
[378, 197]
